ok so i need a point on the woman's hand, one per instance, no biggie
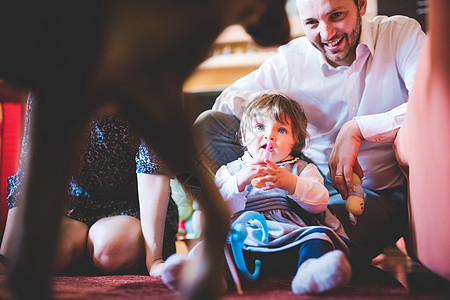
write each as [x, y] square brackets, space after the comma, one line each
[343, 160]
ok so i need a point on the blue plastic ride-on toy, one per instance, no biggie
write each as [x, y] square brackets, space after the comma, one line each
[238, 235]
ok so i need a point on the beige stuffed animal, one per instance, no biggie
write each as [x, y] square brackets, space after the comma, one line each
[355, 199]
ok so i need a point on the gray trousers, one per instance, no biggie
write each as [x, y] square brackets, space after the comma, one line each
[384, 219]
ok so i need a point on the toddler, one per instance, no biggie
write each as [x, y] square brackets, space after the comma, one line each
[289, 193]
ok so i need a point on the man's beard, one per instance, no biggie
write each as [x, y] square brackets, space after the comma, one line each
[353, 42]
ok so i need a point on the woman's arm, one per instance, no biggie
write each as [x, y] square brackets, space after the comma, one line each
[154, 194]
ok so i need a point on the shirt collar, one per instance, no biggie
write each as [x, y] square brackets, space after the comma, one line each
[366, 35]
[247, 157]
[365, 40]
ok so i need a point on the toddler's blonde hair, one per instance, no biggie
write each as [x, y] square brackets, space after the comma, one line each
[280, 108]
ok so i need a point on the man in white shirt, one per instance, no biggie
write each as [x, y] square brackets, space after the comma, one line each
[353, 78]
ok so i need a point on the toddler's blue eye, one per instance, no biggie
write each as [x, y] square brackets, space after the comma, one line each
[282, 130]
[259, 127]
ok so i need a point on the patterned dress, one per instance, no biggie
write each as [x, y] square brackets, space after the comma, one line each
[106, 184]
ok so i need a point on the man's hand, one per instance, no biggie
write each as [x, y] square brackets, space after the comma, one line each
[343, 160]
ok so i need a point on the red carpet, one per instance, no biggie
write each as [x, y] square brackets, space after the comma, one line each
[370, 284]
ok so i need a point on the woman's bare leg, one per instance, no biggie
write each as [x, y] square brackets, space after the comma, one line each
[8, 236]
[71, 243]
[116, 243]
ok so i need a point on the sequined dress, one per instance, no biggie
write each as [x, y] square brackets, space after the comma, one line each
[105, 184]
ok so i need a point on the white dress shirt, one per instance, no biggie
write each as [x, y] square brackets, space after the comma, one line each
[373, 90]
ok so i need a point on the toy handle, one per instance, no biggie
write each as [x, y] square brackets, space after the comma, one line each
[238, 235]
[269, 148]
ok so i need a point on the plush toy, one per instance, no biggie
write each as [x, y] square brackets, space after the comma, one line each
[355, 199]
[189, 224]
[193, 225]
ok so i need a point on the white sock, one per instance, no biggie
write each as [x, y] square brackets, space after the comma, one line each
[317, 275]
[172, 271]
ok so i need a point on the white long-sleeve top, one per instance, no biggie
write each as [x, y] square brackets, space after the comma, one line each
[310, 193]
[373, 90]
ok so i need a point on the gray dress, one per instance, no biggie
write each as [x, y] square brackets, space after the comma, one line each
[288, 224]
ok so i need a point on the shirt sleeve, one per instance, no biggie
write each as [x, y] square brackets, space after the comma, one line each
[407, 41]
[310, 192]
[147, 161]
[382, 127]
[229, 190]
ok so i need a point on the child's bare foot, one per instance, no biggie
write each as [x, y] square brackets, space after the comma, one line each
[172, 273]
[172, 270]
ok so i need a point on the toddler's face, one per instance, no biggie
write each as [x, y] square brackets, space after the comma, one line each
[264, 129]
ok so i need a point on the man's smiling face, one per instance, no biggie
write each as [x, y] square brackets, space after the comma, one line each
[333, 27]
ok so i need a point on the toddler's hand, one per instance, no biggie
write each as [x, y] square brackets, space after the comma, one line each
[278, 178]
[252, 169]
